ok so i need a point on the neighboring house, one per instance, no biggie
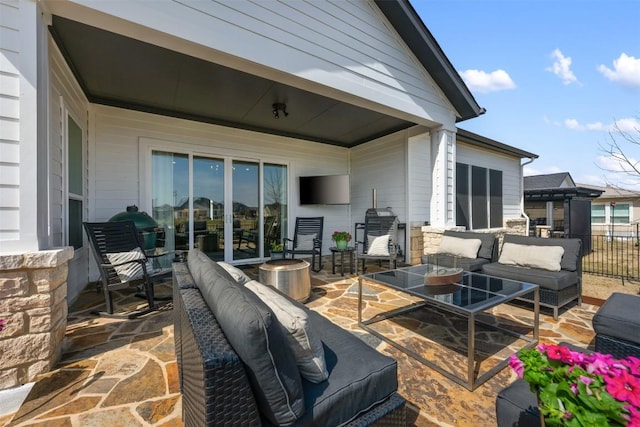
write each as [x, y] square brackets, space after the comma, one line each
[108, 104]
[616, 211]
[558, 207]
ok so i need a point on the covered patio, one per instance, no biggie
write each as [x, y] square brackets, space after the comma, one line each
[116, 372]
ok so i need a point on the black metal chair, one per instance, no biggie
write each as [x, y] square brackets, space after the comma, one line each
[378, 226]
[307, 240]
[123, 262]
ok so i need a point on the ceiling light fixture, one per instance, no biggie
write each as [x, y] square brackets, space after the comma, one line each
[279, 107]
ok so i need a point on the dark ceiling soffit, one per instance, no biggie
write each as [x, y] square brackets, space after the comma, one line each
[417, 36]
[561, 193]
[483, 142]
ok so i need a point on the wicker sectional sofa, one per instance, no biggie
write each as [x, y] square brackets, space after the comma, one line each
[557, 288]
[254, 381]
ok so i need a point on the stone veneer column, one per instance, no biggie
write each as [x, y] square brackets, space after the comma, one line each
[33, 290]
[417, 243]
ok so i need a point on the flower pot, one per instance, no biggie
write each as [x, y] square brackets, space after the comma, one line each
[276, 255]
[341, 244]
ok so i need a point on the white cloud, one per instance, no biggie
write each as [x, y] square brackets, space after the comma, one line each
[484, 82]
[529, 170]
[562, 68]
[626, 70]
[630, 124]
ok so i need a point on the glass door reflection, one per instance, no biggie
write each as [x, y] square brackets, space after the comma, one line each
[245, 213]
[208, 206]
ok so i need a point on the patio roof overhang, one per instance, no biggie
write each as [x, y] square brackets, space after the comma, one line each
[551, 194]
[121, 71]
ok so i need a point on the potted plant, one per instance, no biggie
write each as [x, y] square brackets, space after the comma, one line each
[276, 250]
[577, 389]
[341, 238]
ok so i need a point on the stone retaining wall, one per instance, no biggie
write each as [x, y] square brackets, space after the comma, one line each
[33, 291]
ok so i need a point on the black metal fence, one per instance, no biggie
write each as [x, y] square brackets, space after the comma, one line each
[613, 256]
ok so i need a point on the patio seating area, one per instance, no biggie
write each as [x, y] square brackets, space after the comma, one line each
[124, 372]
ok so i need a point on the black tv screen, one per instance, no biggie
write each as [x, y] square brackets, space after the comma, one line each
[325, 190]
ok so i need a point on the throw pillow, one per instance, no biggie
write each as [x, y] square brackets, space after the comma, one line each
[305, 242]
[378, 245]
[237, 274]
[302, 340]
[533, 256]
[130, 270]
[465, 248]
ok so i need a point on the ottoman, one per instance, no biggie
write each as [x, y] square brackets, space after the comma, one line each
[617, 326]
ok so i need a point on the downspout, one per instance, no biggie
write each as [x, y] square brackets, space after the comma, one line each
[527, 219]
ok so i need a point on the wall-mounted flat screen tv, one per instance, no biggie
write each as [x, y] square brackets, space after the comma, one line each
[325, 190]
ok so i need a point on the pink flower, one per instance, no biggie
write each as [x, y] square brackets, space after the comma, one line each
[517, 365]
[624, 387]
[598, 364]
[634, 417]
[633, 363]
[557, 352]
[2, 323]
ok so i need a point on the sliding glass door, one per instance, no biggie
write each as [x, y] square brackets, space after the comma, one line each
[230, 209]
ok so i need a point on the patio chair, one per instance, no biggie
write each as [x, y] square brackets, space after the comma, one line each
[379, 241]
[307, 240]
[123, 262]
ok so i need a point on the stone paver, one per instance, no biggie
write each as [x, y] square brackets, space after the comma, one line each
[123, 372]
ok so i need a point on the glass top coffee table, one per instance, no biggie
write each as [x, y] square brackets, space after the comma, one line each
[467, 296]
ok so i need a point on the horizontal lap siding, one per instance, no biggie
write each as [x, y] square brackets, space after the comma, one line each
[9, 121]
[510, 167]
[380, 164]
[117, 176]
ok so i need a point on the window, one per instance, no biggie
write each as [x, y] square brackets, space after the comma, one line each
[606, 213]
[478, 197]
[74, 184]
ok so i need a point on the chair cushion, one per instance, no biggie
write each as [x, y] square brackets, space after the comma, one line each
[572, 253]
[488, 241]
[466, 248]
[130, 270]
[237, 274]
[359, 377]
[516, 405]
[304, 242]
[555, 280]
[255, 334]
[544, 257]
[378, 245]
[618, 317]
[303, 341]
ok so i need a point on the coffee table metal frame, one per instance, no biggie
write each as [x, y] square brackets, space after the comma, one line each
[412, 279]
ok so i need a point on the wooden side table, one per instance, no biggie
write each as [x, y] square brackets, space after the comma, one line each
[350, 250]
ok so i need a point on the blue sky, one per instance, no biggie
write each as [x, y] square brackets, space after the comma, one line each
[554, 77]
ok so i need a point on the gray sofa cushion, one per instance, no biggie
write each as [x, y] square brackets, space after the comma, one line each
[487, 239]
[572, 255]
[618, 317]
[516, 405]
[257, 337]
[359, 376]
[555, 280]
[467, 264]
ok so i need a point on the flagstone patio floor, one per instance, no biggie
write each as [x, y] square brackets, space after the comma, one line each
[123, 372]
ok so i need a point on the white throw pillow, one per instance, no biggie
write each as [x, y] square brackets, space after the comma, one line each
[303, 342]
[131, 270]
[237, 274]
[466, 248]
[378, 246]
[305, 242]
[533, 256]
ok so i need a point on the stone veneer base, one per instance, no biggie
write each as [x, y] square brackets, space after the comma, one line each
[33, 291]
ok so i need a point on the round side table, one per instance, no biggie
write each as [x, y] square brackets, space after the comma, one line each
[349, 250]
[291, 276]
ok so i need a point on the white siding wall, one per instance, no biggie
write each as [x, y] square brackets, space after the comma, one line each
[18, 125]
[65, 96]
[380, 164]
[342, 49]
[419, 178]
[119, 181]
[511, 176]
